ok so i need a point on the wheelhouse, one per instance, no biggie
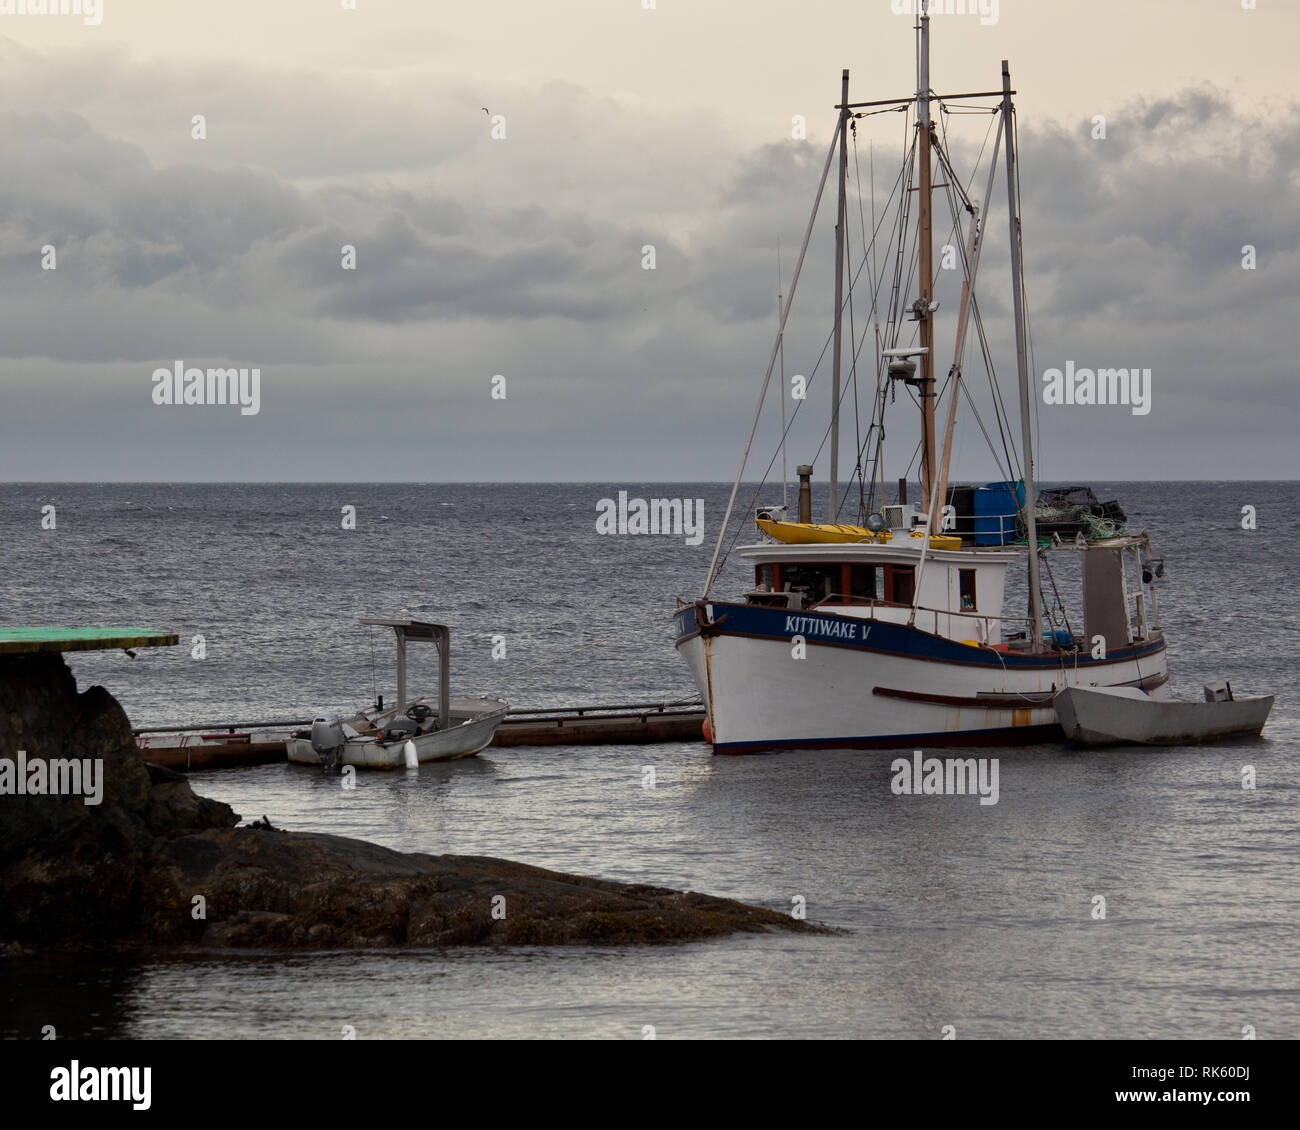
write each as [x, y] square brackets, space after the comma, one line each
[960, 597]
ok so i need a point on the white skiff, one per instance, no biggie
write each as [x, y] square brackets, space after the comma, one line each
[1127, 716]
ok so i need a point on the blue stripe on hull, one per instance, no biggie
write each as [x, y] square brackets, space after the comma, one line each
[1005, 736]
[877, 635]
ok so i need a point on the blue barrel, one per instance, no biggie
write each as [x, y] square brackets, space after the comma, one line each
[996, 507]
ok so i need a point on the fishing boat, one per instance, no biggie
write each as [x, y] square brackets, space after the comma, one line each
[889, 630]
[1124, 716]
[410, 732]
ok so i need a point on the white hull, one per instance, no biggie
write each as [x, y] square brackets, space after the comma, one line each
[1092, 716]
[759, 697]
[469, 732]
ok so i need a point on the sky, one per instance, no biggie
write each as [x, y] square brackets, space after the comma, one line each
[371, 126]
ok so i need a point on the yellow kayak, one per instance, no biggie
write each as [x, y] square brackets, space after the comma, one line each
[811, 533]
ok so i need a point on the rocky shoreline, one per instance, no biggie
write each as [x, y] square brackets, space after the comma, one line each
[155, 865]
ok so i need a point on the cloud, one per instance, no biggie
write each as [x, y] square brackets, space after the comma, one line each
[523, 257]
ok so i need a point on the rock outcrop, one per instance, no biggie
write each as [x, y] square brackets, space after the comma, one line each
[155, 865]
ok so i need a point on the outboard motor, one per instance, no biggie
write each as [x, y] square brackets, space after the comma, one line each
[327, 740]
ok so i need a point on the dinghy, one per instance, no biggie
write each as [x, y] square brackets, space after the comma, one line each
[1127, 716]
[409, 733]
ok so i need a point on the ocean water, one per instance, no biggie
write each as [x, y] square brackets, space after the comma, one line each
[949, 912]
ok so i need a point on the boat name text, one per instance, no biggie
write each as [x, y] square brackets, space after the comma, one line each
[815, 626]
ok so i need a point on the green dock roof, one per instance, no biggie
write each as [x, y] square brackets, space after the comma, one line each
[27, 641]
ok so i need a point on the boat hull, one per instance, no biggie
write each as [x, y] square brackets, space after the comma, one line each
[1093, 717]
[457, 741]
[863, 684]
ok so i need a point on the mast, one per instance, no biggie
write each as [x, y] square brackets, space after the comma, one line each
[1022, 363]
[925, 269]
[833, 501]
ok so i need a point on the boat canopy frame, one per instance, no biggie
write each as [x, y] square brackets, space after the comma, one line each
[421, 631]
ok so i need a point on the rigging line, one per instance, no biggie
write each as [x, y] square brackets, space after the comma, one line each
[794, 282]
[987, 358]
[862, 224]
[785, 470]
[999, 405]
[1029, 333]
[968, 110]
[853, 376]
[914, 266]
[1065, 615]
[861, 443]
[875, 295]
[875, 278]
[843, 394]
[1033, 368]
[1020, 245]
[968, 267]
[853, 281]
[826, 344]
[916, 452]
[980, 420]
[888, 334]
[854, 349]
[899, 188]
[871, 163]
[984, 145]
[902, 109]
[857, 175]
[954, 182]
[904, 211]
[980, 156]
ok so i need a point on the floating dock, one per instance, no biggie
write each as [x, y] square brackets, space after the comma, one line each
[623, 724]
[216, 745]
[224, 744]
[33, 641]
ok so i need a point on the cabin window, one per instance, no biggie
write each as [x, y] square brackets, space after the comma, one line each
[815, 581]
[865, 582]
[764, 578]
[900, 584]
[966, 588]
